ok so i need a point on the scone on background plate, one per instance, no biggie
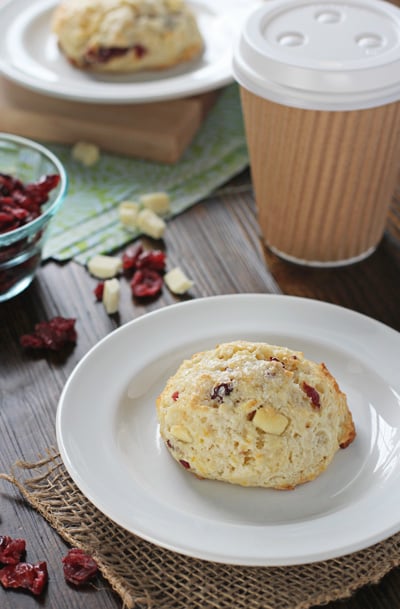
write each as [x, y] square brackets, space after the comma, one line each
[254, 414]
[126, 35]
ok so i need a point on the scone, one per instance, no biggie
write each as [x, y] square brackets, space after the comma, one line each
[254, 414]
[126, 35]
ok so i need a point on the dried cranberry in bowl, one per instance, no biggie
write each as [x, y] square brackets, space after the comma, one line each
[33, 185]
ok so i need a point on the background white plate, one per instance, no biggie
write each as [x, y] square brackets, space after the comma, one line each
[109, 440]
[30, 56]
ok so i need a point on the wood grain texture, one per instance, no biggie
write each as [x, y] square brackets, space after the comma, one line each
[218, 244]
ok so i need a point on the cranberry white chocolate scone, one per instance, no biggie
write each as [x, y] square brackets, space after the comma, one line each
[254, 414]
[126, 35]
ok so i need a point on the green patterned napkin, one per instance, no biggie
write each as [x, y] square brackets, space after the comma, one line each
[88, 222]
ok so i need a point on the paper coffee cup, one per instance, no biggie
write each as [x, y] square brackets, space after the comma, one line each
[320, 88]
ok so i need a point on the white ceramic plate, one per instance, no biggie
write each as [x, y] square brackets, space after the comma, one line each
[109, 440]
[30, 56]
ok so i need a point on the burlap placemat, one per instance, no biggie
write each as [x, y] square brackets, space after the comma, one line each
[146, 576]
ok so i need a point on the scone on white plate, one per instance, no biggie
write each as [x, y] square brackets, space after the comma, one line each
[126, 35]
[254, 414]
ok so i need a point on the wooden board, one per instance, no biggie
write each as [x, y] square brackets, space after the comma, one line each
[156, 131]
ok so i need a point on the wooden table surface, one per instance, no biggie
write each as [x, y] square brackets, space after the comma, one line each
[217, 243]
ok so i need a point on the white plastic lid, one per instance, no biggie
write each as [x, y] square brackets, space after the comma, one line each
[321, 55]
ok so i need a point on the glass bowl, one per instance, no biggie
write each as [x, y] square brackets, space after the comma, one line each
[21, 248]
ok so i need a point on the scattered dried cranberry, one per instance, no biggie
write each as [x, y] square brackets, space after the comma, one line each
[146, 283]
[11, 550]
[313, 394]
[146, 267]
[220, 391]
[78, 567]
[175, 395]
[99, 290]
[54, 334]
[32, 577]
[184, 464]
[130, 256]
[151, 259]
[135, 257]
